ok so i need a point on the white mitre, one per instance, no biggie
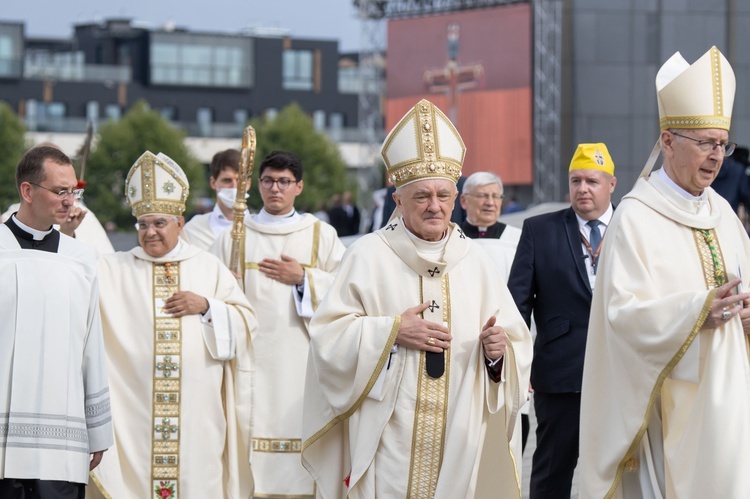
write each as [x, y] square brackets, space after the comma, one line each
[700, 95]
[424, 144]
[156, 184]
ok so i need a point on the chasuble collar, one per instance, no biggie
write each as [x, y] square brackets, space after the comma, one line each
[397, 238]
[656, 194]
[185, 252]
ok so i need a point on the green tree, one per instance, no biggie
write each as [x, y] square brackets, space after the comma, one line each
[12, 147]
[292, 130]
[120, 144]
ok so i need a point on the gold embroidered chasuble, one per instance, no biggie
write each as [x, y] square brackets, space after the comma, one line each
[375, 423]
[181, 419]
[281, 344]
[666, 405]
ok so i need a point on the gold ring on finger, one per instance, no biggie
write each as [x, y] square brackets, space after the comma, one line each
[431, 341]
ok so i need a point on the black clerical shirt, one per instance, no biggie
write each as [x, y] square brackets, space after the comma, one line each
[49, 243]
[492, 232]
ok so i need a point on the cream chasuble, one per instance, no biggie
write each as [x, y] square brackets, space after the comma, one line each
[665, 407]
[198, 232]
[181, 409]
[375, 423]
[54, 400]
[282, 344]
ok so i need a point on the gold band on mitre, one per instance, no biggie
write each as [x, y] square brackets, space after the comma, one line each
[156, 184]
[700, 95]
[424, 144]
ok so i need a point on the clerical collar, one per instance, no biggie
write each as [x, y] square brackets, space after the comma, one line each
[679, 190]
[430, 248]
[36, 235]
[265, 218]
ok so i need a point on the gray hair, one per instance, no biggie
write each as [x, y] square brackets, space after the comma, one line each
[479, 179]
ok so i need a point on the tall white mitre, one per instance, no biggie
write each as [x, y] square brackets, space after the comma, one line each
[156, 184]
[700, 95]
[424, 144]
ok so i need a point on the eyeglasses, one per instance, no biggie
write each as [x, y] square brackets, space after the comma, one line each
[710, 145]
[62, 195]
[485, 196]
[158, 224]
[284, 183]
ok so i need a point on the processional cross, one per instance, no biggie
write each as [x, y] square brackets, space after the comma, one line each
[453, 78]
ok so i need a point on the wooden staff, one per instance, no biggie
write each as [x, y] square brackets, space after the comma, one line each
[243, 184]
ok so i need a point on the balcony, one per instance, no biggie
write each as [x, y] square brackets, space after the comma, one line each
[97, 73]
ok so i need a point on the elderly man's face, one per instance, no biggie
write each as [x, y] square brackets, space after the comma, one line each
[426, 206]
[687, 164]
[158, 234]
[482, 204]
[590, 192]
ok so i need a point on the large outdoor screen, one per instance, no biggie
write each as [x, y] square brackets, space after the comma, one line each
[476, 66]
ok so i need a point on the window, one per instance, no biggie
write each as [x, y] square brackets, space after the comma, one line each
[113, 112]
[337, 126]
[168, 113]
[92, 111]
[241, 117]
[11, 50]
[204, 117]
[319, 120]
[297, 70]
[200, 60]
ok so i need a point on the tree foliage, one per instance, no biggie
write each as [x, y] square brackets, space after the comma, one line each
[12, 147]
[120, 144]
[292, 130]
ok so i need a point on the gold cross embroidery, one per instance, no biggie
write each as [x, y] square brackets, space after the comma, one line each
[167, 366]
[165, 428]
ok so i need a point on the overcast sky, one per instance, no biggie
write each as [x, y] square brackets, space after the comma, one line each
[326, 19]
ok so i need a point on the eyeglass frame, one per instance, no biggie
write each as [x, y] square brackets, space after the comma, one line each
[63, 194]
[726, 145]
[484, 196]
[148, 225]
[261, 181]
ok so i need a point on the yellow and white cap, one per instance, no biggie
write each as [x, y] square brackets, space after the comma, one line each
[700, 95]
[424, 144]
[592, 157]
[156, 184]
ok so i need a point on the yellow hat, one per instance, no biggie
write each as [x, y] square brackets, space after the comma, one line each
[423, 145]
[592, 157]
[700, 95]
[156, 184]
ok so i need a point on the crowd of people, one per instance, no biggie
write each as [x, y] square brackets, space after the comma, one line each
[278, 363]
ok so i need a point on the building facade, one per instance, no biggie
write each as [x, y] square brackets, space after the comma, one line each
[209, 84]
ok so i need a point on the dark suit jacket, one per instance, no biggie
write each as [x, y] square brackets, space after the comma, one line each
[548, 277]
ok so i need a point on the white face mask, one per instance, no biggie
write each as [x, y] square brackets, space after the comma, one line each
[228, 196]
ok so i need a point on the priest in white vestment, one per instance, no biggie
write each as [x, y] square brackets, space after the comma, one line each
[82, 224]
[416, 344]
[177, 331]
[665, 409]
[55, 420]
[289, 261]
[202, 230]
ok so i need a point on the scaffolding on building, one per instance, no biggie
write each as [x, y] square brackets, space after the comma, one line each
[547, 76]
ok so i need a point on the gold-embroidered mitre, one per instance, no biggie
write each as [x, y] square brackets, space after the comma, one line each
[156, 184]
[700, 95]
[423, 144]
